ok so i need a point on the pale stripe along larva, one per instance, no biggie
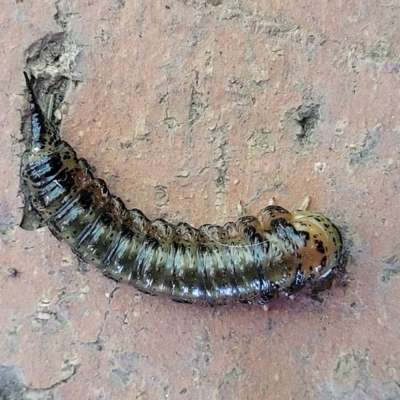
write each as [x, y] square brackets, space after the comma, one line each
[253, 259]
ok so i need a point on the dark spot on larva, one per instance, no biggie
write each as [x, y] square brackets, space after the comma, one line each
[125, 230]
[311, 268]
[152, 242]
[85, 199]
[323, 262]
[320, 246]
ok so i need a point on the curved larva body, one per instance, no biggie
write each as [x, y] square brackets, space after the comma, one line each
[252, 259]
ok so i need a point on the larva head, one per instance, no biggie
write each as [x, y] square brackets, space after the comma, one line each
[323, 245]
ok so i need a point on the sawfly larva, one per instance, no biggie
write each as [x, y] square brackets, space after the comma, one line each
[253, 259]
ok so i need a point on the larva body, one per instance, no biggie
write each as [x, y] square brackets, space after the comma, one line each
[252, 259]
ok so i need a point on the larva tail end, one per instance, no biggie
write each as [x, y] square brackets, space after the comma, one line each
[30, 82]
[32, 96]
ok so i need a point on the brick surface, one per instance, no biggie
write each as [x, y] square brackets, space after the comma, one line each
[186, 108]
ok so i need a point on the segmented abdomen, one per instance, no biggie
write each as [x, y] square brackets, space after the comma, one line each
[251, 259]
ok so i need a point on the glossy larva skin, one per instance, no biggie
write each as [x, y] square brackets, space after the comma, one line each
[252, 260]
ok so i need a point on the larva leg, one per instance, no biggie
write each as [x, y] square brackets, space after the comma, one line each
[304, 205]
[265, 307]
[241, 210]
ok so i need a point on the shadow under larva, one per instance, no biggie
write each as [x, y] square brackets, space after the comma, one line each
[253, 259]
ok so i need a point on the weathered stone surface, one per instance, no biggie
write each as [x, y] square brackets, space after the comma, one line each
[186, 108]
